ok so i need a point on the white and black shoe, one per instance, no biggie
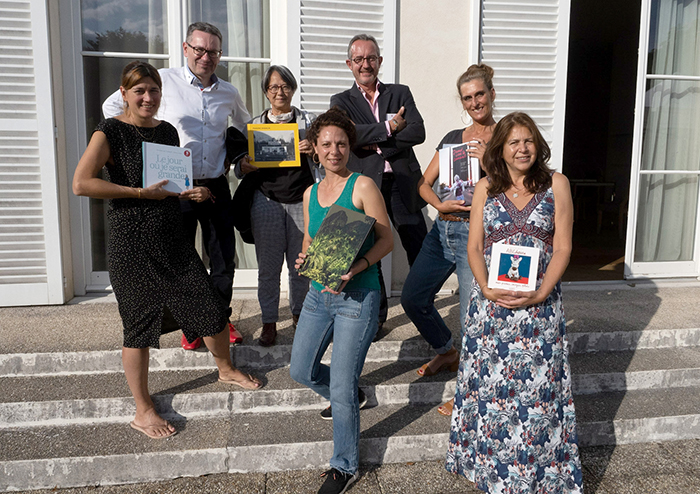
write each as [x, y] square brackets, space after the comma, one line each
[327, 414]
[337, 482]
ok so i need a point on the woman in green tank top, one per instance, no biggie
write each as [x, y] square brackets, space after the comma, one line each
[347, 317]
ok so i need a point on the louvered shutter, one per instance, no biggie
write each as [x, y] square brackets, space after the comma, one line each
[526, 43]
[324, 32]
[30, 259]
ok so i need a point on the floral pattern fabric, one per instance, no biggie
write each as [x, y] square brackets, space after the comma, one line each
[513, 425]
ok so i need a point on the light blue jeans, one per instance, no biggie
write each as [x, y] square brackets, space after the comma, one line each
[444, 251]
[350, 321]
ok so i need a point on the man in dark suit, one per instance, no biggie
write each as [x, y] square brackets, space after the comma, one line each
[388, 126]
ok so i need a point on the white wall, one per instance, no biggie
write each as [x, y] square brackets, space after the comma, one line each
[433, 51]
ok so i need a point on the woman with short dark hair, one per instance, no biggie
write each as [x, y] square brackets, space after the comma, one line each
[347, 316]
[276, 215]
[514, 425]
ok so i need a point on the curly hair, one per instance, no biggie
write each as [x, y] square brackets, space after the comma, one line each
[537, 178]
[337, 117]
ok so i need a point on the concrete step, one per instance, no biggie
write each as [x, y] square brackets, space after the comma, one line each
[93, 398]
[254, 356]
[47, 457]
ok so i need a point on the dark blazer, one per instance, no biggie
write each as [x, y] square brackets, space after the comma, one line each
[397, 150]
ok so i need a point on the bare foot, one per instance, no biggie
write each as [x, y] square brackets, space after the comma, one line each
[242, 379]
[153, 425]
[445, 361]
[446, 409]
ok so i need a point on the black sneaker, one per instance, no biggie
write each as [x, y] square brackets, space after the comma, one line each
[337, 482]
[327, 414]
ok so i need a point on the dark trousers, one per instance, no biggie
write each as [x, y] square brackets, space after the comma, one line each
[217, 231]
[410, 227]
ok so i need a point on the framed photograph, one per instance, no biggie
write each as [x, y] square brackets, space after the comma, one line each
[513, 267]
[273, 145]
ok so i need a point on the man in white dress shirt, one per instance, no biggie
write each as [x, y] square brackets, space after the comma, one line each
[199, 105]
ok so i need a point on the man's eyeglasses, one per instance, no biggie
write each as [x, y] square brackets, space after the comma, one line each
[199, 51]
[372, 59]
[275, 89]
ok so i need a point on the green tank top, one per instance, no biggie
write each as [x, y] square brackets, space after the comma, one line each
[369, 278]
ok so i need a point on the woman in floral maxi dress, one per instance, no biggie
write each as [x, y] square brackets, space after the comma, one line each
[513, 425]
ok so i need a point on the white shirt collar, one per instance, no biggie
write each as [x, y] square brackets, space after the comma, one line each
[194, 80]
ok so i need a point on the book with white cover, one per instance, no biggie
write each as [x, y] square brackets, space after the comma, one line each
[513, 267]
[163, 162]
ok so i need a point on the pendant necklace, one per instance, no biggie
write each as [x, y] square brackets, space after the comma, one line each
[148, 139]
[515, 194]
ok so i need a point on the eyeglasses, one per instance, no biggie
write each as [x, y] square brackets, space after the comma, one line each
[372, 59]
[275, 89]
[199, 51]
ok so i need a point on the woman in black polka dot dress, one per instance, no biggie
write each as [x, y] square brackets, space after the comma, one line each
[153, 268]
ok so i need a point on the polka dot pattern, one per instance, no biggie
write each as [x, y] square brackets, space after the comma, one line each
[151, 263]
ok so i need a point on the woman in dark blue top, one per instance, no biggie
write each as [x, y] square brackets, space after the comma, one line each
[444, 249]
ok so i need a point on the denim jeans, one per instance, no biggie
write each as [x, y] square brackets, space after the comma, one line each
[444, 251]
[350, 321]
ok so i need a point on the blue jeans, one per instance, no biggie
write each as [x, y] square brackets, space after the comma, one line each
[350, 321]
[444, 251]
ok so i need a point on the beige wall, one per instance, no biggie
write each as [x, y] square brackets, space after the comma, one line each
[433, 50]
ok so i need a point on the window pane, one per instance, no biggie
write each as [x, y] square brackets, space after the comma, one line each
[673, 34]
[133, 26]
[244, 24]
[671, 123]
[247, 78]
[102, 78]
[667, 214]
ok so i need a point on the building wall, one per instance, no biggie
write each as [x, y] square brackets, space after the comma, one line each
[433, 51]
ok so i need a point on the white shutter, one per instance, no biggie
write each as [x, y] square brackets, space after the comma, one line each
[325, 28]
[526, 43]
[30, 260]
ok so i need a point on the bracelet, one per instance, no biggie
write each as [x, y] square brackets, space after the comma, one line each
[367, 261]
[139, 192]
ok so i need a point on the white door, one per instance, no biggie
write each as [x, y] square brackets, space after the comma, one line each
[30, 244]
[662, 237]
[95, 48]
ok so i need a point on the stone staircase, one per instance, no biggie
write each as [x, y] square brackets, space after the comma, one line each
[635, 356]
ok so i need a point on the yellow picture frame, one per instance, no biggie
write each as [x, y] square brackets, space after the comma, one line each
[274, 145]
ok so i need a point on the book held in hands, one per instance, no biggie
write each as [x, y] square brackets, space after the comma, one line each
[163, 162]
[458, 173]
[513, 267]
[274, 145]
[336, 245]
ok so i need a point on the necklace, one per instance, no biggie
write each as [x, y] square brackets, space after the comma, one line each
[517, 190]
[148, 139]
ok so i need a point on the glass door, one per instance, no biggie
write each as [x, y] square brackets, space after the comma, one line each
[663, 230]
[115, 33]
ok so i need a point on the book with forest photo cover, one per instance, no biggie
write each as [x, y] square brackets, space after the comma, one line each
[336, 245]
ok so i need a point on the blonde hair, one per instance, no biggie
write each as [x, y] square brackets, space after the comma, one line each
[476, 71]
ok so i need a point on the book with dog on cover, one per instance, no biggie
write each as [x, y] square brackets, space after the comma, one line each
[513, 267]
[336, 245]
